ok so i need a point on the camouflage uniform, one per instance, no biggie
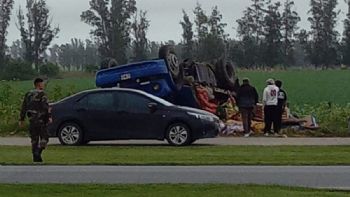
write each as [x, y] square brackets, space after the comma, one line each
[35, 106]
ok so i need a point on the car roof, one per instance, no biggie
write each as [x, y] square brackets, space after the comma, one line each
[160, 100]
[85, 92]
[114, 89]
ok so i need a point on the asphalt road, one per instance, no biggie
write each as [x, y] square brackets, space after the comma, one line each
[337, 177]
[235, 141]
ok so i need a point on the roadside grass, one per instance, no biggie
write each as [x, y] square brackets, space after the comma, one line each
[51, 190]
[184, 156]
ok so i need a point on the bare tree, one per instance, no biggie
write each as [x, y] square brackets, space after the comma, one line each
[140, 44]
[39, 33]
[324, 43]
[290, 20]
[112, 25]
[5, 12]
[346, 38]
[187, 36]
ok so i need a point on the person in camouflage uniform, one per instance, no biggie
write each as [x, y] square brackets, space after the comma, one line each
[36, 107]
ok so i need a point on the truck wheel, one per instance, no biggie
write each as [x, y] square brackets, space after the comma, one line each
[108, 63]
[226, 75]
[167, 53]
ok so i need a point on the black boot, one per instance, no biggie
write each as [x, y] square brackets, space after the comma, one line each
[40, 151]
[37, 155]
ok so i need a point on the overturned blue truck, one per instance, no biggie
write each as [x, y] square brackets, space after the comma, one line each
[169, 79]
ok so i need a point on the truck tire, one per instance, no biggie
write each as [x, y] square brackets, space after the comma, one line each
[167, 52]
[108, 63]
[226, 75]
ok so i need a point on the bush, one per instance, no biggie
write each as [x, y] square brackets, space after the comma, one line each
[11, 98]
[333, 118]
[17, 70]
[91, 68]
[10, 101]
[49, 70]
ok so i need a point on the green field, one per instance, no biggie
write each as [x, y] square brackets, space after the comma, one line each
[163, 190]
[67, 86]
[307, 86]
[309, 92]
[184, 156]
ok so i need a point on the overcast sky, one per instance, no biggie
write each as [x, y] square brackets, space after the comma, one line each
[164, 16]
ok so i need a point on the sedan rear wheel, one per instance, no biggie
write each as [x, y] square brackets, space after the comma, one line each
[70, 134]
[178, 134]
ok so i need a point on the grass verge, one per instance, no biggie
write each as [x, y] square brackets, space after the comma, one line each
[194, 155]
[162, 190]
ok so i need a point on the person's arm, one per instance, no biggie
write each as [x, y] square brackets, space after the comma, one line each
[45, 102]
[23, 108]
[264, 96]
[285, 100]
[256, 95]
[238, 96]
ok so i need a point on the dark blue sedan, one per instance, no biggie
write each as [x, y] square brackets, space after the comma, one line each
[123, 114]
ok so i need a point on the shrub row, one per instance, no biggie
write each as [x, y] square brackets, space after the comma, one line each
[21, 70]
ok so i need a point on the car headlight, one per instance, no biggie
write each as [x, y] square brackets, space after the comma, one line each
[202, 117]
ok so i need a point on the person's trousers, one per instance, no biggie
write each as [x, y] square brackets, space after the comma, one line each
[270, 117]
[247, 116]
[279, 119]
[39, 136]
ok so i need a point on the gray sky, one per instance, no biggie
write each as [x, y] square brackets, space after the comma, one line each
[164, 15]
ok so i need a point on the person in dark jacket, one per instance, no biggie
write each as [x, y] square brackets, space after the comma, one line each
[247, 98]
[36, 107]
[282, 102]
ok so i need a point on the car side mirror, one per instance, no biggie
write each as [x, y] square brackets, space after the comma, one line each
[153, 107]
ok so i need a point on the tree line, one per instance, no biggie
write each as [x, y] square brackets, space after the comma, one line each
[268, 35]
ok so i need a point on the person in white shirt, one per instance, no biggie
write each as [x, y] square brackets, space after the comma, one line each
[270, 101]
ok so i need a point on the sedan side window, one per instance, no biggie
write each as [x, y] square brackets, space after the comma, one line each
[132, 103]
[100, 101]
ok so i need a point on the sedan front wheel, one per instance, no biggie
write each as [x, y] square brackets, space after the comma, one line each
[70, 134]
[178, 134]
